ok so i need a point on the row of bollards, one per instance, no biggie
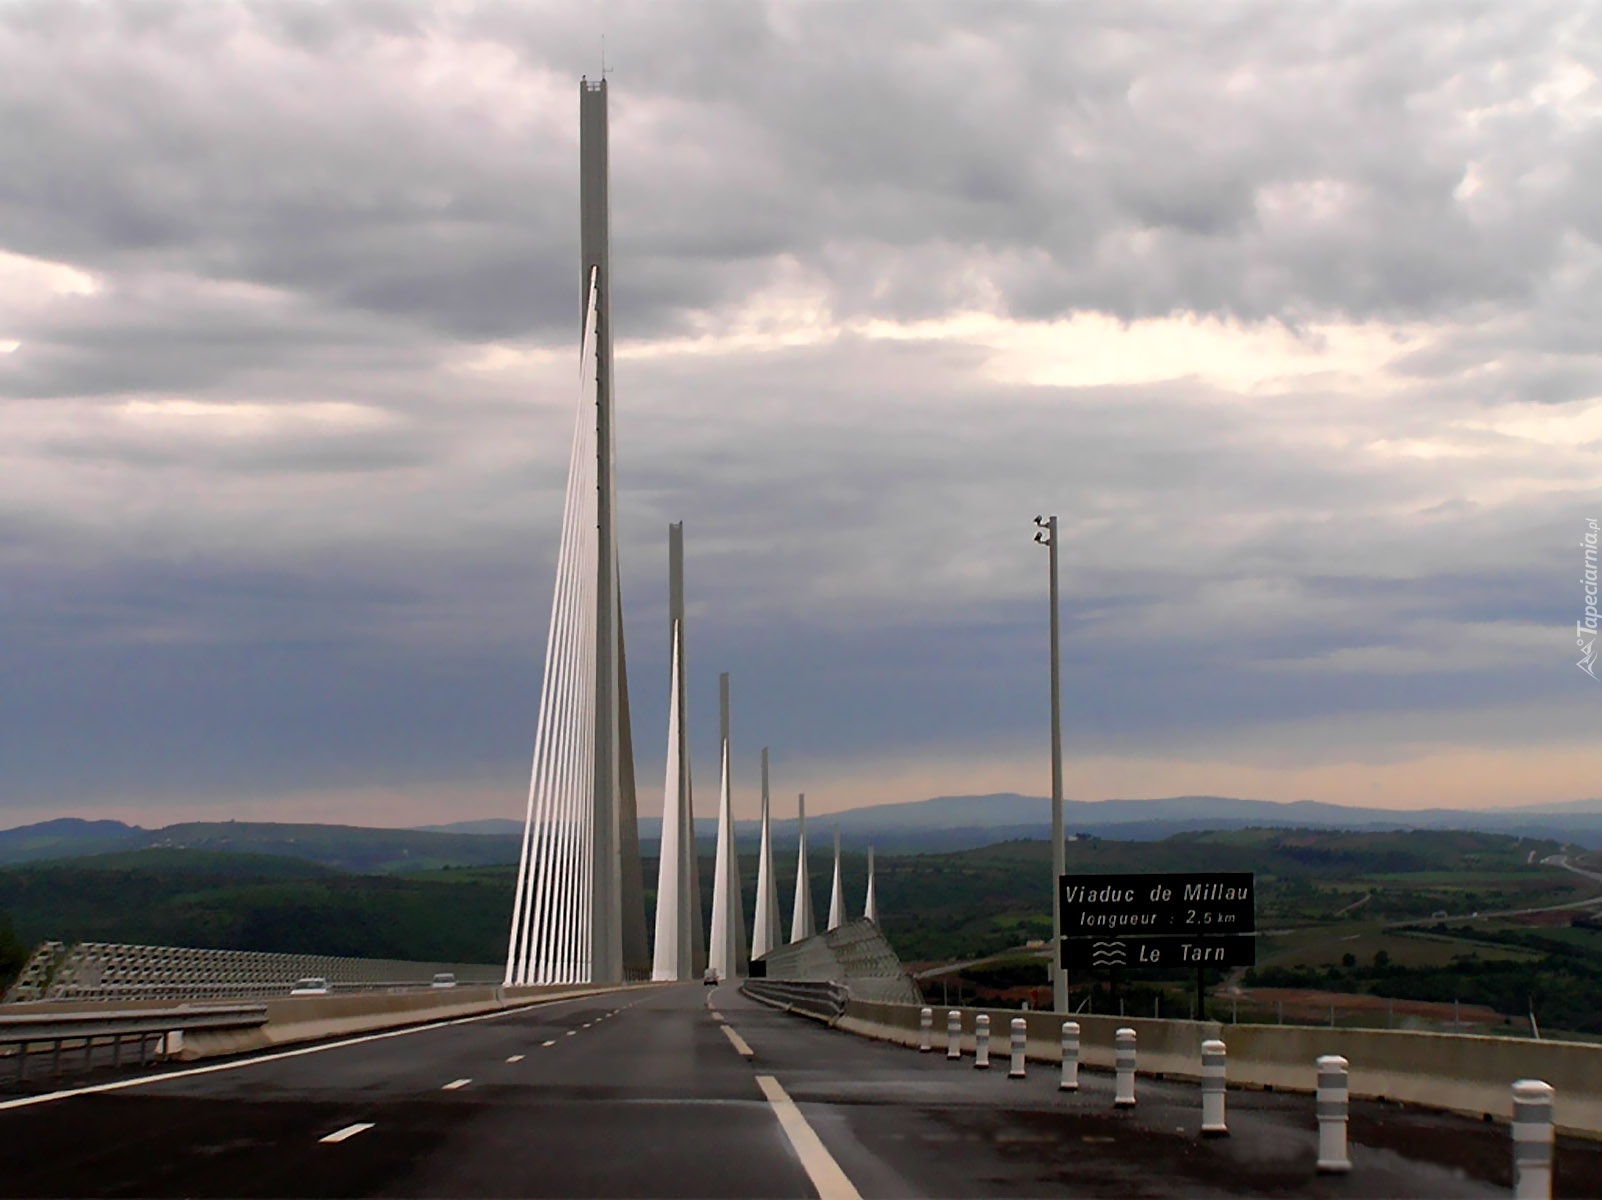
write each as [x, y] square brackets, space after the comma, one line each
[1532, 1098]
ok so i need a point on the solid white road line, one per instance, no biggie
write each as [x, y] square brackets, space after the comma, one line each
[819, 1164]
[741, 1047]
[349, 1131]
[454, 1084]
[143, 1080]
[515, 1058]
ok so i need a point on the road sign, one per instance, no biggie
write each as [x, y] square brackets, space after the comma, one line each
[1202, 904]
[1158, 952]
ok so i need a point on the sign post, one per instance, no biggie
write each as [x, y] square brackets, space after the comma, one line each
[1158, 922]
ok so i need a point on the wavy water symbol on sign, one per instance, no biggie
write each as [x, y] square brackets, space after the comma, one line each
[1107, 954]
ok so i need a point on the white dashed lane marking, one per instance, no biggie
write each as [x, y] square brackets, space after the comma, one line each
[349, 1131]
[741, 1047]
[515, 1058]
[118, 1085]
[830, 1181]
[454, 1084]
[550, 1043]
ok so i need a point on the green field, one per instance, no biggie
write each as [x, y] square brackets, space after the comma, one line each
[1320, 945]
[935, 907]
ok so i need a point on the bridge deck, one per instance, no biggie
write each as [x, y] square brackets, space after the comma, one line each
[654, 1099]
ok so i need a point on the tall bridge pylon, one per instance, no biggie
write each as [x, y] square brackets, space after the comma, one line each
[726, 951]
[680, 950]
[765, 924]
[802, 923]
[578, 914]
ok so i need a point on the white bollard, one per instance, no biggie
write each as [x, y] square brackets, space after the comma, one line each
[925, 1028]
[981, 1041]
[1532, 1140]
[1331, 1107]
[1124, 1061]
[953, 1034]
[1212, 1089]
[1020, 1041]
[1070, 1057]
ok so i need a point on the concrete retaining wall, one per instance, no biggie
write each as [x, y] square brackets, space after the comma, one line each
[1456, 1072]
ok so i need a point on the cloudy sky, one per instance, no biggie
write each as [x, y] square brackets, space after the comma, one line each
[1293, 314]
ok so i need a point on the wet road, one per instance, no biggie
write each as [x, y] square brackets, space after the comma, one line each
[645, 1093]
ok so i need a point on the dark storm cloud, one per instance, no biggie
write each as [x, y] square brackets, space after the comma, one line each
[279, 492]
[235, 144]
[175, 335]
[1253, 160]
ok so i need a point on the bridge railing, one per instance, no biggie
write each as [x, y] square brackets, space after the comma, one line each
[825, 1000]
[80, 1041]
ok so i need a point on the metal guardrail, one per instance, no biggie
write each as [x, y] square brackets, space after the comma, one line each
[824, 1000]
[107, 1035]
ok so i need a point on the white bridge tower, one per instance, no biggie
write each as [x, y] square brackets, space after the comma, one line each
[578, 914]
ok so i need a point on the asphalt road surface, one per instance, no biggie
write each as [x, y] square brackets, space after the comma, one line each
[646, 1093]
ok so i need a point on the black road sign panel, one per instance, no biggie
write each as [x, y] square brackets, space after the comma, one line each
[1158, 952]
[1196, 904]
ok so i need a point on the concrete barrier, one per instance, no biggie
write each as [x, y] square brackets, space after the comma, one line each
[1455, 1072]
[315, 1018]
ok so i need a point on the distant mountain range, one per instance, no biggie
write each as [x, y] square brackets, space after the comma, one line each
[942, 824]
[344, 847]
[961, 822]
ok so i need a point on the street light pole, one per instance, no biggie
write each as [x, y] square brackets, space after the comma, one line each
[1046, 534]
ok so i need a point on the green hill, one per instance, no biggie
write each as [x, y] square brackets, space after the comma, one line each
[344, 847]
[213, 899]
[1335, 893]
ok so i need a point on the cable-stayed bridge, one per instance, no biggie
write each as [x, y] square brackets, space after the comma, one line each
[578, 912]
[599, 1064]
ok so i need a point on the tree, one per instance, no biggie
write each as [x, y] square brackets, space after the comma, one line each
[13, 953]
